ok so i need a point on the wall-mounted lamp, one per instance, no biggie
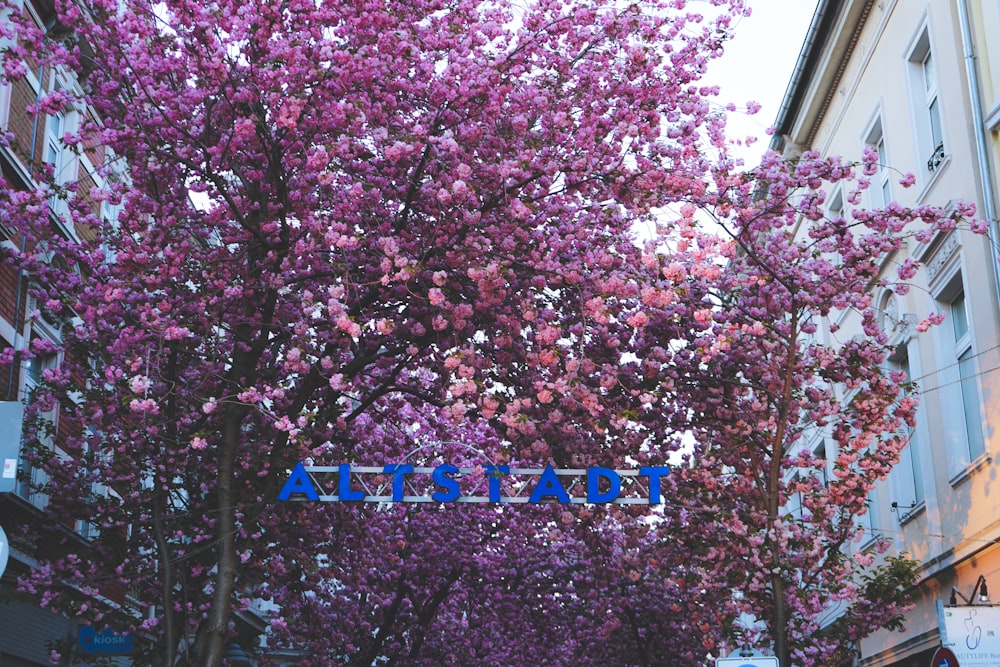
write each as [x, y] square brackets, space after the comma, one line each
[979, 593]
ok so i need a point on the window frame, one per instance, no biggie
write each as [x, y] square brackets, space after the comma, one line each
[929, 121]
[36, 329]
[960, 397]
[880, 192]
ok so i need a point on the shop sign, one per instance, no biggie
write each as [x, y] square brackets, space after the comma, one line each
[972, 634]
[107, 642]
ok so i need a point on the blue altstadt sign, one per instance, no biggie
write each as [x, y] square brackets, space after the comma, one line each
[486, 484]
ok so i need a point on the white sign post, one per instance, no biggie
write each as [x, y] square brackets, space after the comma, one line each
[758, 661]
[4, 551]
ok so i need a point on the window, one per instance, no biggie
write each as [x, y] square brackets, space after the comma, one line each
[905, 482]
[931, 102]
[967, 374]
[868, 522]
[85, 528]
[926, 103]
[41, 338]
[819, 453]
[958, 381]
[793, 506]
[837, 211]
[5, 89]
[836, 207]
[33, 370]
[881, 189]
[906, 491]
[55, 154]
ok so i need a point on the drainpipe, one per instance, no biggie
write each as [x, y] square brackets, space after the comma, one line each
[982, 147]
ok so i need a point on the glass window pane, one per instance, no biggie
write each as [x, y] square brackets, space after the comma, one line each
[918, 485]
[959, 319]
[970, 403]
[935, 117]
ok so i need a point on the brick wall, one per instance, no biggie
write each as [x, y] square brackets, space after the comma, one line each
[22, 124]
[84, 185]
[8, 293]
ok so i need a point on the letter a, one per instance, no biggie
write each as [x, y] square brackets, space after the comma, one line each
[298, 482]
[549, 485]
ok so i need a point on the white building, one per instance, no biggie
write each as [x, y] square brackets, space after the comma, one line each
[921, 84]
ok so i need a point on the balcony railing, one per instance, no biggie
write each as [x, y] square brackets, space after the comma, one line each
[936, 158]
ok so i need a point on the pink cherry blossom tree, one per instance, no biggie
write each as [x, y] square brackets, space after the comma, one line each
[772, 397]
[324, 208]
[342, 221]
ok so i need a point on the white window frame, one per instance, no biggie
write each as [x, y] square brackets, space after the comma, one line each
[927, 112]
[5, 94]
[869, 521]
[959, 395]
[906, 486]
[906, 478]
[961, 329]
[837, 208]
[64, 161]
[27, 384]
[880, 192]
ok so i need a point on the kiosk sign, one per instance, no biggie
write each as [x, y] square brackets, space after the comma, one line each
[107, 642]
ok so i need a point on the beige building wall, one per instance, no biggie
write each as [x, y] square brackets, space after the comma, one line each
[892, 74]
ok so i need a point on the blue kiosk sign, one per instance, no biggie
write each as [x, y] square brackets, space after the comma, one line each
[107, 642]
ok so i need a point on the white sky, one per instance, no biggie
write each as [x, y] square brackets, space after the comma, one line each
[758, 63]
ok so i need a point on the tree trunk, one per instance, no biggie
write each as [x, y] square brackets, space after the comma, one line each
[213, 642]
[779, 629]
[170, 637]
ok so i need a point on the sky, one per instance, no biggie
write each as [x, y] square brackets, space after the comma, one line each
[758, 63]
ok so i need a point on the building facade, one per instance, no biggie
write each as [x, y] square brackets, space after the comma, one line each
[918, 81]
[32, 144]
[29, 633]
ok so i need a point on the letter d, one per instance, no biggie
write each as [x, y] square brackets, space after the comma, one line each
[594, 477]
